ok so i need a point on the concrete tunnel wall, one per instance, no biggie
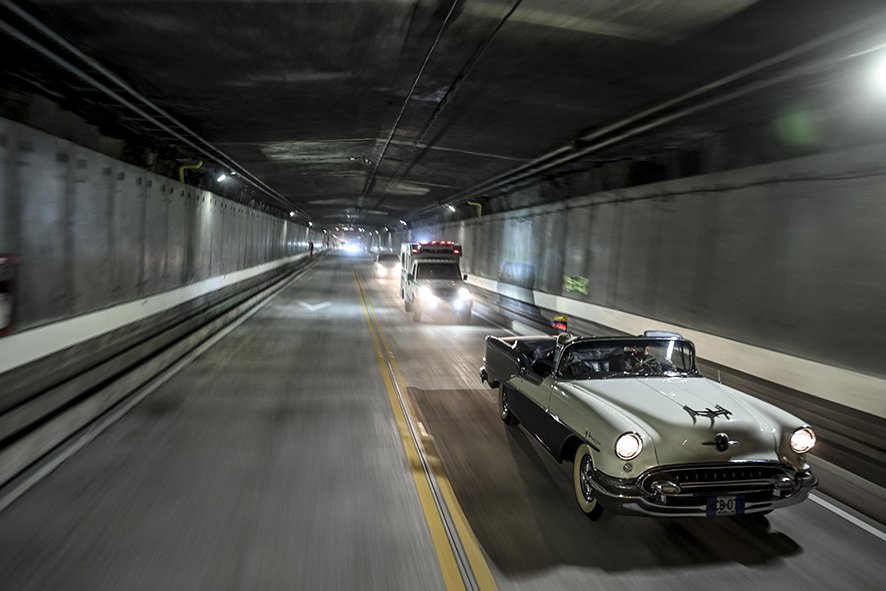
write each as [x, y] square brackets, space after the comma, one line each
[120, 273]
[92, 232]
[788, 257]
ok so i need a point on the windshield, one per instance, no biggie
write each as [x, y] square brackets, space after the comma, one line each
[437, 271]
[624, 358]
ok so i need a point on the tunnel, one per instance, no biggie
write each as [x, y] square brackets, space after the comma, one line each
[221, 365]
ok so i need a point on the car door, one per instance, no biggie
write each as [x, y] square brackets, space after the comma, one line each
[531, 405]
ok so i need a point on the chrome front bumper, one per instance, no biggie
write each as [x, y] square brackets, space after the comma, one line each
[635, 497]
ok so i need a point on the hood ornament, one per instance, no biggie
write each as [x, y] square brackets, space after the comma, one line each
[721, 442]
[707, 412]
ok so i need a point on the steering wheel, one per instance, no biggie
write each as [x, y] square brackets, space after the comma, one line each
[647, 364]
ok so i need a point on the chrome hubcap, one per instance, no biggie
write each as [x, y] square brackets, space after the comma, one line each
[584, 477]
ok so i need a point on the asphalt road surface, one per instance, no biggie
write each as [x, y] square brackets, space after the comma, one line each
[277, 460]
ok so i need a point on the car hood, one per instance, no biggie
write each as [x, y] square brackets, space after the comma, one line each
[659, 406]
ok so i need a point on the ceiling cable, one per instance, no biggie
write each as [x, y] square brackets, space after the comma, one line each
[218, 154]
[462, 75]
[371, 178]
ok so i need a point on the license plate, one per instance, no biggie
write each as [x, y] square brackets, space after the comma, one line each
[719, 506]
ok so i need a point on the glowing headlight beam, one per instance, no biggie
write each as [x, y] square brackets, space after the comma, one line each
[802, 440]
[628, 446]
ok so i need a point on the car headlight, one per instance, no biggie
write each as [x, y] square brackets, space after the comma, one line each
[425, 292]
[802, 440]
[464, 293]
[628, 446]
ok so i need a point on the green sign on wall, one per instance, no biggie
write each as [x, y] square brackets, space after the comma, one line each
[576, 284]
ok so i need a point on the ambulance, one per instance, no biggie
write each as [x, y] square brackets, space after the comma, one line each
[431, 281]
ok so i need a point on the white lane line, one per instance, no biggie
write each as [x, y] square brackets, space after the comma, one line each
[848, 517]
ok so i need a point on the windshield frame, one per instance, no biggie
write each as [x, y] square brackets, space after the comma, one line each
[626, 357]
[453, 275]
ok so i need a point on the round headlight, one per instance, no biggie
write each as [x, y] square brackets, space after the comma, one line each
[464, 293]
[802, 440]
[628, 446]
[425, 292]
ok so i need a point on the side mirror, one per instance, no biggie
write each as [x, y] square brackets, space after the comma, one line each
[409, 277]
[464, 277]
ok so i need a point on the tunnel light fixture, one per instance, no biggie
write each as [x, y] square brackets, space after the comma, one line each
[402, 222]
[880, 74]
[450, 208]
[222, 178]
[292, 214]
[310, 224]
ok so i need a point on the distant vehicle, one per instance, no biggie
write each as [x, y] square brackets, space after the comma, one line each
[431, 282]
[387, 264]
[647, 434]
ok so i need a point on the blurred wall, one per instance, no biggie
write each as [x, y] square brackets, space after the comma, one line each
[789, 257]
[91, 232]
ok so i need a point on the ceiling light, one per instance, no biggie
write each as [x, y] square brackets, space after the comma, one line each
[221, 177]
[310, 224]
[292, 214]
[451, 208]
[404, 223]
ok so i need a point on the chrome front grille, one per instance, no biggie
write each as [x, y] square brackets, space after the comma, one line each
[754, 481]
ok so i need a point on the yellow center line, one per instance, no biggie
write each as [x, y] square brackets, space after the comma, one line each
[445, 554]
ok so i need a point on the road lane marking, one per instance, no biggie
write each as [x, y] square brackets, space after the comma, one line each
[468, 541]
[315, 307]
[443, 548]
[848, 517]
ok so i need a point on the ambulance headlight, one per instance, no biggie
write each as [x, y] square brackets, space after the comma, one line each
[425, 292]
[464, 293]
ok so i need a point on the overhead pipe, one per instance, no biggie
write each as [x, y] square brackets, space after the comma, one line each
[572, 151]
[221, 156]
[184, 167]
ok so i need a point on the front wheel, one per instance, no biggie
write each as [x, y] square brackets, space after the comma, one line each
[407, 306]
[416, 314]
[504, 409]
[582, 471]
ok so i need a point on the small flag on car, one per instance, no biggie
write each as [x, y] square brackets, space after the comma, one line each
[560, 322]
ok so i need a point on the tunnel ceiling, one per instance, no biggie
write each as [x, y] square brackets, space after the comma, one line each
[373, 111]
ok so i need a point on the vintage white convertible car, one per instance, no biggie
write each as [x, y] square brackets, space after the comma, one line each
[648, 434]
